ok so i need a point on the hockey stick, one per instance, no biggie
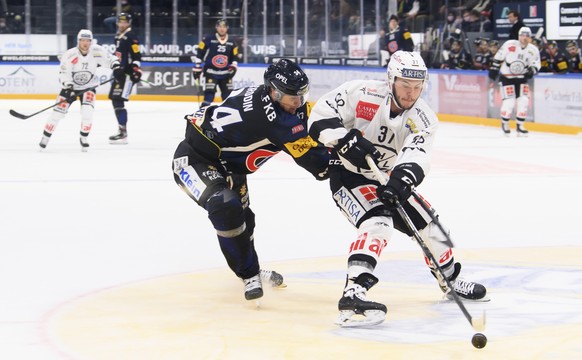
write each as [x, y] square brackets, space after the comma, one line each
[477, 324]
[24, 117]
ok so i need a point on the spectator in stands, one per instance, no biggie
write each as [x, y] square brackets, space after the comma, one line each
[17, 25]
[575, 65]
[396, 39]
[557, 60]
[471, 21]
[458, 58]
[493, 49]
[482, 58]
[4, 28]
[515, 19]
[453, 22]
[110, 22]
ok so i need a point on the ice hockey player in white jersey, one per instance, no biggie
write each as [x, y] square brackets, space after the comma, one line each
[78, 80]
[516, 62]
[390, 122]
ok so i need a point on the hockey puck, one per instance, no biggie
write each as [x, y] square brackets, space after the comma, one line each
[479, 341]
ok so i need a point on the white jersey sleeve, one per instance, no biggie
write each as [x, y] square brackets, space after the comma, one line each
[351, 105]
[365, 105]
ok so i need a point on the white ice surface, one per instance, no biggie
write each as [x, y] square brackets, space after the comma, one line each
[72, 223]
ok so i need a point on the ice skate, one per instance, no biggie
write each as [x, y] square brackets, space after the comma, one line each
[120, 137]
[354, 302]
[44, 142]
[253, 287]
[521, 131]
[273, 278]
[467, 290]
[84, 143]
[505, 128]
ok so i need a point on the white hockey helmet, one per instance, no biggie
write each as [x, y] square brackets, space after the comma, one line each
[85, 34]
[524, 31]
[407, 65]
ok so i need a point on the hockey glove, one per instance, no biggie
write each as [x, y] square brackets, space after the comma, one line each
[353, 148]
[531, 71]
[494, 71]
[399, 186]
[232, 69]
[197, 71]
[118, 74]
[135, 75]
[68, 93]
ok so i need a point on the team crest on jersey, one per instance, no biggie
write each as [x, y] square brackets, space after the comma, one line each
[220, 61]
[257, 158]
[366, 110]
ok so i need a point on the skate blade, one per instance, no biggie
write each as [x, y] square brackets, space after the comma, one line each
[118, 142]
[280, 286]
[449, 297]
[370, 318]
[84, 149]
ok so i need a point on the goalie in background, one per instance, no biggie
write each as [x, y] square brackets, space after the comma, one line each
[78, 81]
[515, 63]
[390, 122]
[216, 59]
[127, 50]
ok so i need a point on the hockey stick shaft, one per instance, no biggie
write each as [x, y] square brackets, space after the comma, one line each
[24, 117]
[477, 324]
[434, 219]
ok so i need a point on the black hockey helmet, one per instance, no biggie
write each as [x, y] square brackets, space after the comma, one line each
[493, 43]
[221, 22]
[124, 16]
[286, 77]
[571, 44]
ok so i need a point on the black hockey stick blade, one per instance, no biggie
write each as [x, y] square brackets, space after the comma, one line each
[19, 115]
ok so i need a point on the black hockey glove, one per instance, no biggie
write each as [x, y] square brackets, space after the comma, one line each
[118, 73]
[531, 71]
[353, 148]
[197, 71]
[68, 91]
[232, 70]
[135, 75]
[399, 186]
[494, 71]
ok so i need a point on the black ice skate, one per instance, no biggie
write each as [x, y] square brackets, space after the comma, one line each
[273, 278]
[120, 137]
[521, 131]
[467, 290]
[253, 287]
[505, 128]
[354, 302]
[44, 140]
[83, 141]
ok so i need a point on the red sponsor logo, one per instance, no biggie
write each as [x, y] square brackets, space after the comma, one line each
[368, 192]
[511, 48]
[366, 110]
[297, 128]
[75, 60]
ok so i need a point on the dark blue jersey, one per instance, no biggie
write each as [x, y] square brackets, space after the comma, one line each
[217, 55]
[127, 50]
[249, 129]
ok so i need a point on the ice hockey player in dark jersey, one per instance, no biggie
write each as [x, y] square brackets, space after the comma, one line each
[127, 50]
[226, 142]
[216, 59]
